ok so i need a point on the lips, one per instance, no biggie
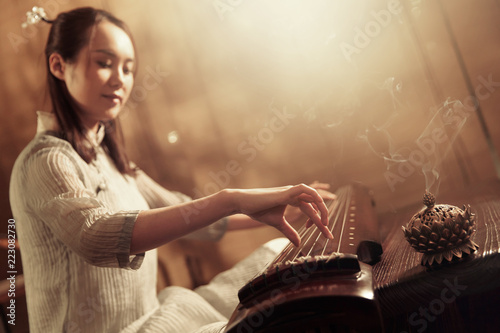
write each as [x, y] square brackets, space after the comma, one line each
[113, 97]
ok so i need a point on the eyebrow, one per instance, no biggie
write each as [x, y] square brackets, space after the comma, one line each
[110, 53]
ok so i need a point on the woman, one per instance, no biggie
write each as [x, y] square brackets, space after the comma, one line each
[88, 221]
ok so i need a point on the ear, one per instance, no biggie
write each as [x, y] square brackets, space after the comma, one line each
[57, 65]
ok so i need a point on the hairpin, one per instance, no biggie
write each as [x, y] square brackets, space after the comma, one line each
[34, 16]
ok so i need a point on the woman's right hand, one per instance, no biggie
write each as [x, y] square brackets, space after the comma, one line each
[267, 205]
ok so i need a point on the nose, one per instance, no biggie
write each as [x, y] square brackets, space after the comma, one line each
[117, 78]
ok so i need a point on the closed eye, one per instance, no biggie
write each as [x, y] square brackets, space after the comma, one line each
[104, 64]
[127, 70]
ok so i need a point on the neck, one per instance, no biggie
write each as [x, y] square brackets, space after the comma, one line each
[90, 124]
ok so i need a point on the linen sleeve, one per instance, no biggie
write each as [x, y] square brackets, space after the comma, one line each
[157, 196]
[57, 195]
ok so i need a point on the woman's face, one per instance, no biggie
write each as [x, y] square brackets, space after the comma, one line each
[101, 77]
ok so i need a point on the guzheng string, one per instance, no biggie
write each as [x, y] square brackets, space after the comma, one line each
[313, 241]
[346, 211]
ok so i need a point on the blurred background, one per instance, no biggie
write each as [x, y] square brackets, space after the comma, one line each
[400, 96]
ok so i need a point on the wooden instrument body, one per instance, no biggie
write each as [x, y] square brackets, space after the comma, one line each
[321, 285]
[461, 296]
[311, 302]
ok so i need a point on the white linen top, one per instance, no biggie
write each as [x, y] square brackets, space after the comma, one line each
[74, 223]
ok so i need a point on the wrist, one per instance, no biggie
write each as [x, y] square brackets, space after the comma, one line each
[228, 201]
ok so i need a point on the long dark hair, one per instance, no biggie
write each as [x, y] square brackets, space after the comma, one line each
[70, 33]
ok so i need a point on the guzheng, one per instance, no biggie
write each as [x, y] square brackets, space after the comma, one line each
[323, 285]
[329, 286]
